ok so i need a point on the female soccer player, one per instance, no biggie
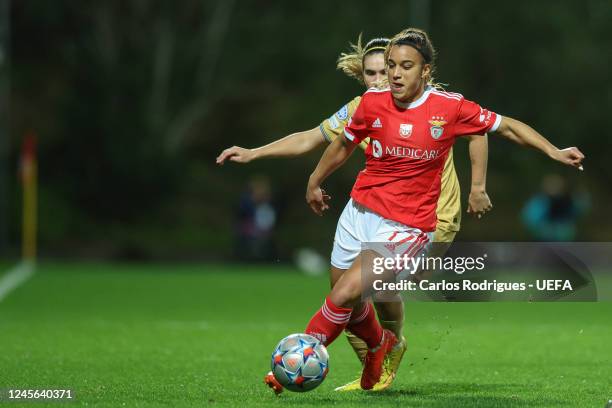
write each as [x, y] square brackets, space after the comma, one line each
[367, 65]
[412, 127]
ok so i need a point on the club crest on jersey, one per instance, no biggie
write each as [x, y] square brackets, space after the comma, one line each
[437, 126]
[405, 130]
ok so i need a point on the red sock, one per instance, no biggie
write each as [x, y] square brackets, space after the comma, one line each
[328, 322]
[365, 326]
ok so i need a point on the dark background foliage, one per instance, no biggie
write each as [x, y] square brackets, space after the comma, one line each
[132, 100]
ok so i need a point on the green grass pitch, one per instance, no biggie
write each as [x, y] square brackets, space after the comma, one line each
[177, 335]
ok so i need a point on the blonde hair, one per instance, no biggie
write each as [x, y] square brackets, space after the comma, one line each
[351, 63]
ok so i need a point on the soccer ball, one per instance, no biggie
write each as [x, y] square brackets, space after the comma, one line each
[300, 362]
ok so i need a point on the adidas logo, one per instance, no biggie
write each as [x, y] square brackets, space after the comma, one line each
[377, 123]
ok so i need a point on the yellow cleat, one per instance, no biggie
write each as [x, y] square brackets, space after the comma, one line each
[354, 385]
[391, 365]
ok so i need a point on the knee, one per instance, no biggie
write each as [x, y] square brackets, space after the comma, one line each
[346, 294]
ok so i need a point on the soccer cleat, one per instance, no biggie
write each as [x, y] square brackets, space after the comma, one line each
[391, 365]
[373, 365]
[273, 383]
[354, 385]
[359, 346]
[361, 349]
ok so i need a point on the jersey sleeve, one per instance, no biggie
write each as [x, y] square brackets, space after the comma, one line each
[357, 130]
[333, 126]
[475, 120]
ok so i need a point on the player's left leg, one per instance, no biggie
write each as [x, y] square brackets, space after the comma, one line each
[391, 317]
[404, 240]
[411, 242]
[391, 314]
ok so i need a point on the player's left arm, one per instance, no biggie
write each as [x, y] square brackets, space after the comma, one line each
[525, 135]
[479, 202]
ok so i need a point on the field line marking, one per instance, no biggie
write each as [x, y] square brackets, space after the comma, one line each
[15, 277]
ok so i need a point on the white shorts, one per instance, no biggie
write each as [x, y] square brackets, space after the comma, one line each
[358, 225]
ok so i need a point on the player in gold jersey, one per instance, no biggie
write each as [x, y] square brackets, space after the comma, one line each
[367, 65]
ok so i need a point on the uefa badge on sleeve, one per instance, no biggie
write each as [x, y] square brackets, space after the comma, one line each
[437, 129]
[342, 114]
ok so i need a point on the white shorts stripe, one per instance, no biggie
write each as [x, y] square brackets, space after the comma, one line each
[418, 245]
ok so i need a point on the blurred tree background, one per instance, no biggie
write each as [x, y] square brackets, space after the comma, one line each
[132, 101]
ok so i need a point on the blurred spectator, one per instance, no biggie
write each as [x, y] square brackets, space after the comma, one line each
[256, 219]
[552, 214]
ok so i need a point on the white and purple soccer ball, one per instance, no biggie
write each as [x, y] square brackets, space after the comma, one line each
[300, 362]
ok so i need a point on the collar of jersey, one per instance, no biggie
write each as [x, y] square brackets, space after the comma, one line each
[419, 101]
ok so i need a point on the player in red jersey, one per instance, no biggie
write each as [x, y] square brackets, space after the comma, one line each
[367, 64]
[412, 127]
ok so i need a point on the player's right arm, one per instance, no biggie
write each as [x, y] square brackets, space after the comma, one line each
[292, 145]
[333, 157]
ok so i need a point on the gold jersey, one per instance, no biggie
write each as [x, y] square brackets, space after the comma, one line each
[449, 203]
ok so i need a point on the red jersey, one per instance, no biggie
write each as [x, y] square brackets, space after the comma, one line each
[408, 148]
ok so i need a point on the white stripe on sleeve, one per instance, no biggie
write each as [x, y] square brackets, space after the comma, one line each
[496, 123]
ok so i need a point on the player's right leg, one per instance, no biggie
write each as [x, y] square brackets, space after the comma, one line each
[354, 228]
[345, 253]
